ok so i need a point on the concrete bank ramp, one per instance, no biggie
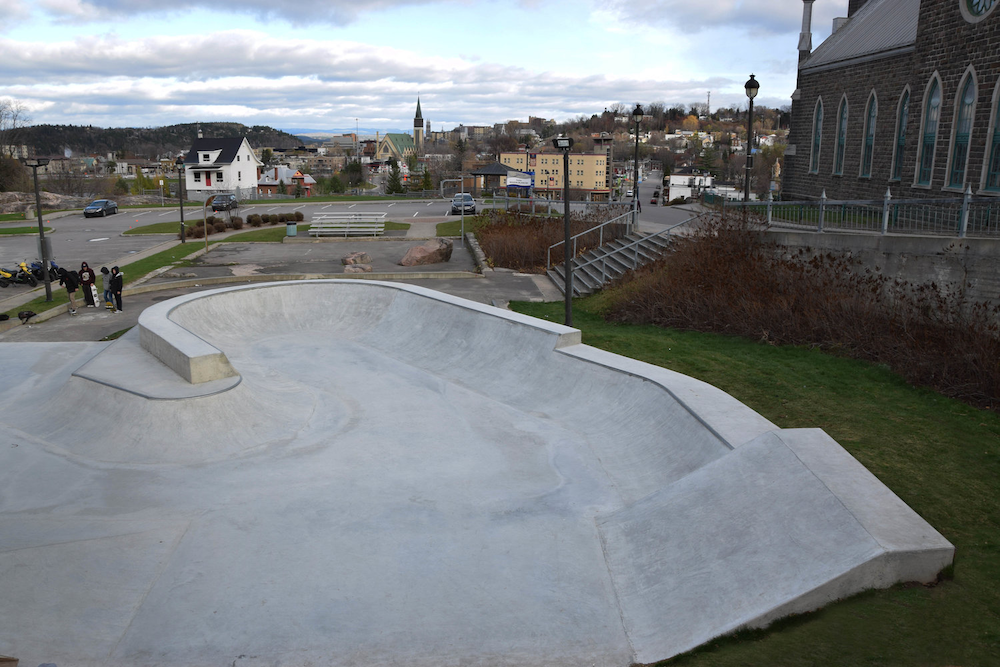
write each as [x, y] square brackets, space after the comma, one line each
[353, 472]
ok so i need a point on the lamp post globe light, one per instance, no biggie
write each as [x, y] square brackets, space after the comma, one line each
[564, 144]
[751, 87]
[180, 193]
[43, 248]
[637, 115]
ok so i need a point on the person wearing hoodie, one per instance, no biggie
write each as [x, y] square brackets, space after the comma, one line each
[106, 287]
[117, 280]
[69, 281]
[87, 279]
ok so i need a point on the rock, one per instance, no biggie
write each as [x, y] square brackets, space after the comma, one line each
[358, 268]
[434, 251]
[356, 258]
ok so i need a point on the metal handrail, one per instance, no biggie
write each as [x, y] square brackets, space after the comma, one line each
[615, 220]
[634, 244]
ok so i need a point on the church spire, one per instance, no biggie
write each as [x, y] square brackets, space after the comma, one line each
[419, 115]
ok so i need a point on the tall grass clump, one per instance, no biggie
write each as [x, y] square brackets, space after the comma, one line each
[728, 278]
[515, 240]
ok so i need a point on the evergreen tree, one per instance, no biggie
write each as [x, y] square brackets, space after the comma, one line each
[395, 183]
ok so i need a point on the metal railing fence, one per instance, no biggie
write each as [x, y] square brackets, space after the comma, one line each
[623, 220]
[960, 216]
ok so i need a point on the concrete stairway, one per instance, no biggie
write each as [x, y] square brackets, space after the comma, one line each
[595, 268]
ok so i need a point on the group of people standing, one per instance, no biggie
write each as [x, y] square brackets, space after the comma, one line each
[85, 278]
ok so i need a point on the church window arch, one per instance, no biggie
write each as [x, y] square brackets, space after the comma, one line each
[899, 145]
[928, 131]
[965, 110]
[868, 148]
[992, 168]
[841, 146]
[817, 137]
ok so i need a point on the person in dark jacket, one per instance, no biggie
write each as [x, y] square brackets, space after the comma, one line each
[106, 287]
[68, 280]
[87, 278]
[117, 279]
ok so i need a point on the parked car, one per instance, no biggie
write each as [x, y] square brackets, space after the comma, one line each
[225, 203]
[463, 202]
[101, 207]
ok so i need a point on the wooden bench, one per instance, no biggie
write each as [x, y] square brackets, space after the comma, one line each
[347, 224]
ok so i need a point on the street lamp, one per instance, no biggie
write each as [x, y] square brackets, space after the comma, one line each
[180, 193]
[564, 144]
[43, 249]
[751, 87]
[637, 117]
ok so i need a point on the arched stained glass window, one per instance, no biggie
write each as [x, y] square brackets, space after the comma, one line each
[993, 166]
[817, 137]
[838, 156]
[904, 116]
[932, 111]
[963, 128]
[869, 147]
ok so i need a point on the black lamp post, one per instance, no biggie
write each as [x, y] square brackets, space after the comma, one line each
[637, 117]
[564, 144]
[180, 193]
[43, 249]
[751, 87]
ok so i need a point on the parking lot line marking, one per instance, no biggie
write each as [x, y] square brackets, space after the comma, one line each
[105, 238]
[416, 214]
[298, 207]
[167, 213]
[352, 206]
[326, 207]
[392, 204]
[275, 208]
[143, 213]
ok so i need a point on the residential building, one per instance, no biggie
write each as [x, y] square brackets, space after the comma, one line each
[220, 165]
[588, 172]
[284, 180]
[902, 96]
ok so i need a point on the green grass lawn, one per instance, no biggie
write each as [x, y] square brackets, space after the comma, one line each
[940, 456]
[10, 231]
[453, 227]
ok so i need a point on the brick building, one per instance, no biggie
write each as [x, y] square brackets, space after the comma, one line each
[903, 95]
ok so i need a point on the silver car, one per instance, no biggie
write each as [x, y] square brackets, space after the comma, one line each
[463, 203]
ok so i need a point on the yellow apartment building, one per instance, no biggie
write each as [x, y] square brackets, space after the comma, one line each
[589, 173]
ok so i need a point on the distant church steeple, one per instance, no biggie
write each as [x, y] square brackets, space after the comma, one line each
[418, 130]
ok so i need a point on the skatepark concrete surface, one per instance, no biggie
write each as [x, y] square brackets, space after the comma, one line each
[373, 473]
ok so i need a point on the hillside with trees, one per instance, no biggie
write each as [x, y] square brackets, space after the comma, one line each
[149, 142]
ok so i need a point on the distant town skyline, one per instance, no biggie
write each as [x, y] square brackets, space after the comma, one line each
[321, 64]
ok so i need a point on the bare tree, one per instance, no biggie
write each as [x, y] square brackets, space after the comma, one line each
[13, 119]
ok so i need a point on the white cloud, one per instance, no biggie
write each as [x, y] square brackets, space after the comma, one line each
[299, 12]
[684, 16]
[13, 11]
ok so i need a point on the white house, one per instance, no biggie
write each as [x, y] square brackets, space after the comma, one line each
[687, 183]
[221, 165]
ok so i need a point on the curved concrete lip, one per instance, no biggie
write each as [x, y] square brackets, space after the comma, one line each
[379, 474]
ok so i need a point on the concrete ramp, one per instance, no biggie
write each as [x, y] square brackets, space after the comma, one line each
[352, 472]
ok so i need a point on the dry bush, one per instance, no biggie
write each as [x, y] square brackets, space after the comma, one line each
[237, 222]
[254, 220]
[518, 241]
[299, 216]
[282, 218]
[219, 227]
[727, 278]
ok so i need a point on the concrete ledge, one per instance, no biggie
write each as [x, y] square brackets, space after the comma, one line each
[183, 352]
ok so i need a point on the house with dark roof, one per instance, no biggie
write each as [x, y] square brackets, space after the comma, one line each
[903, 96]
[228, 164]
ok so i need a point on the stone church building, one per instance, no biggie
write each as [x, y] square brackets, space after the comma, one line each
[903, 95]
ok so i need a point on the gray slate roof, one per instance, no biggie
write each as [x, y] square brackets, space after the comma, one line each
[228, 145]
[881, 28]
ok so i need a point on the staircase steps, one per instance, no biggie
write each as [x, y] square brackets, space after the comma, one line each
[595, 268]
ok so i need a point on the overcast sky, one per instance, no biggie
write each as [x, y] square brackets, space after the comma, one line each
[321, 64]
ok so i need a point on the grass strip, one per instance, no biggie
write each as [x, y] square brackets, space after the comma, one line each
[941, 456]
[454, 227]
[11, 231]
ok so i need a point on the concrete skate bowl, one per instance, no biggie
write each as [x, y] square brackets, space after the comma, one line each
[389, 475]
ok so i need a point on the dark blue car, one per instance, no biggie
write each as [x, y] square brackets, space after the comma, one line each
[101, 207]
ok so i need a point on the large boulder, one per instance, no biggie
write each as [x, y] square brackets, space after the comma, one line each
[356, 258]
[434, 251]
[358, 268]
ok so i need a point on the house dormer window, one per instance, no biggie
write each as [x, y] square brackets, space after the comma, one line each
[205, 157]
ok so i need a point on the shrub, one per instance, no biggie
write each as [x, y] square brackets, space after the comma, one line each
[728, 278]
[254, 220]
[237, 222]
[282, 218]
[219, 227]
[299, 217]
[518, 241]
[198, 232]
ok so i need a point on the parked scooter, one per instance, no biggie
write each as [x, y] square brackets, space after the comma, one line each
[36, 270]
[19, 276]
